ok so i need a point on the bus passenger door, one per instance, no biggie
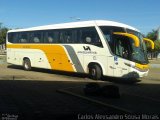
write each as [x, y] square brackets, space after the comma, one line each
[122, 55]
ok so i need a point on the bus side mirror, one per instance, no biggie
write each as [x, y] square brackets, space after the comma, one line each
[133, 37]
[150, 41]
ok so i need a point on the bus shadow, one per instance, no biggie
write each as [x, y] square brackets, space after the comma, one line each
[121, 80]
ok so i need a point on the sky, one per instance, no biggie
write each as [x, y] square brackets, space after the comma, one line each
[141, 14]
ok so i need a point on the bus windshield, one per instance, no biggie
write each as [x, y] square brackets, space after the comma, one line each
[139, 53]
[123, 46]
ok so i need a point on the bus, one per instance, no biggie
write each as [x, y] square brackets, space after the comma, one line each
[96, 47]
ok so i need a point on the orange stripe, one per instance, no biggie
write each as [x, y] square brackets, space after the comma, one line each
[56, 55]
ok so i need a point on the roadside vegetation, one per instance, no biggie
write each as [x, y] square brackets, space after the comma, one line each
[153, 36]
[3, 32]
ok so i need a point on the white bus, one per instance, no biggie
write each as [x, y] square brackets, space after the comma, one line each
[99, 48]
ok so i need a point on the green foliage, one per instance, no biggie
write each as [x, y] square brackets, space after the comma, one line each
[3, 32]
[152, 35]
[148, 45]
[157, 45]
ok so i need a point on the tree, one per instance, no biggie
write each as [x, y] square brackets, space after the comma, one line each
[3, 32]
[157, 45]
[152, 35]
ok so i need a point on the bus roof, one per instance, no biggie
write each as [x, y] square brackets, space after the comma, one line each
[76, 25]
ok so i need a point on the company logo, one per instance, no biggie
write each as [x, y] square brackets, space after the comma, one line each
[87, 48]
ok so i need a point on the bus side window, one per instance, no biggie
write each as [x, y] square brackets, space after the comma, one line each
[50, 39]
[61, 37]
[30, 36]
[10, 37]
[85, 35]
[68, 39]
[23, 38]
[56, 36]
[37, 37]
[68, 36]
[36, 40]
[74, 36]
[92, 34]
[79, 36]
[16, 38]
[88, 40]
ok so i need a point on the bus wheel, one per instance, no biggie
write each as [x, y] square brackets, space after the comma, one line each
[95, 72]
[26, 64]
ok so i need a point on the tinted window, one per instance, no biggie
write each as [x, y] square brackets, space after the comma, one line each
[108, 34]
[87, 35]
[36, 37]
[16, 37]
[65, 36]
[48, 36]
[61, 36]
[23, 38]
[123, 47]
[90, 36]
[68, 36]
[10, 37]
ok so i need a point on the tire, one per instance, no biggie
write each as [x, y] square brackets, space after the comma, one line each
[95, 72]
[26, 64]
